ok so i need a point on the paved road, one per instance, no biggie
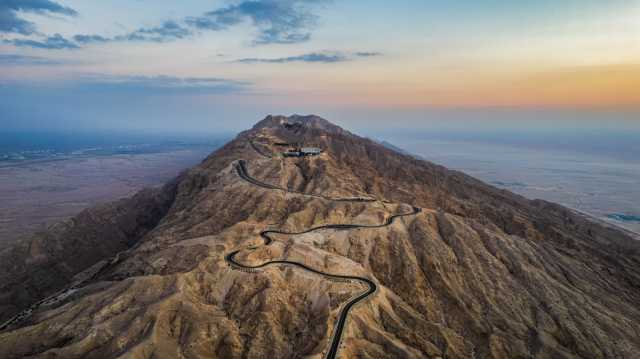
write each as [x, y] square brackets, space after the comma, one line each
[258, 150]
[241, 169]
[242, 172]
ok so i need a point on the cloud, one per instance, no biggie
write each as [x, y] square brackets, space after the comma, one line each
[55, 42]
[313, 57]
[278, 21]
[11, 22]
[16, 59]
[169, 30]
[90, 39]
[368, 54]
[161, 85]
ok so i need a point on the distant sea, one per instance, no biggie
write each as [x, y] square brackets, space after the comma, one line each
[596, 172]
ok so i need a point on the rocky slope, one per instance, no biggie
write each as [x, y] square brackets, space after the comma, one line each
[479, 272]
[35, 268]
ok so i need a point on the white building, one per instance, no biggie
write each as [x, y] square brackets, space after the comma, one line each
[310, 151]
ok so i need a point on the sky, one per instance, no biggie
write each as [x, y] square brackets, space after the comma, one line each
[196, 65]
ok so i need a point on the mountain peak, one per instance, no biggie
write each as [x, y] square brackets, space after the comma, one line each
[297, 122]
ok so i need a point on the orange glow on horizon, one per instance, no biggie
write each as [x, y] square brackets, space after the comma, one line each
[583, 87]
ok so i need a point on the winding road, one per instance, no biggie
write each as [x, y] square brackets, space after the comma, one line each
[241, 169]
[258, 150]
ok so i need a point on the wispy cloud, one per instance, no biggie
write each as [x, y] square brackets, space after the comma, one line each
[313, 57]
[16, 59]
[278, 21]
[90, 39]
[55, 42]
[169, 30]
[368, 54]
[159, 85]
[11, 20]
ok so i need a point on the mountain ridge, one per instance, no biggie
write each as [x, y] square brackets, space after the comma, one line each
[479, 271]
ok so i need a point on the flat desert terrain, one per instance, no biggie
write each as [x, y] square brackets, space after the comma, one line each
[39, 193]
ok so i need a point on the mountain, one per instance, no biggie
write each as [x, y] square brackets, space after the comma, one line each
[360, 251]
[391, 146]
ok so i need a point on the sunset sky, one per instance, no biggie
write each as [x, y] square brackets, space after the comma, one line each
[194, 63]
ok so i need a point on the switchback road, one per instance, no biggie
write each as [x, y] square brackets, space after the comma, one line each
[241, 169]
